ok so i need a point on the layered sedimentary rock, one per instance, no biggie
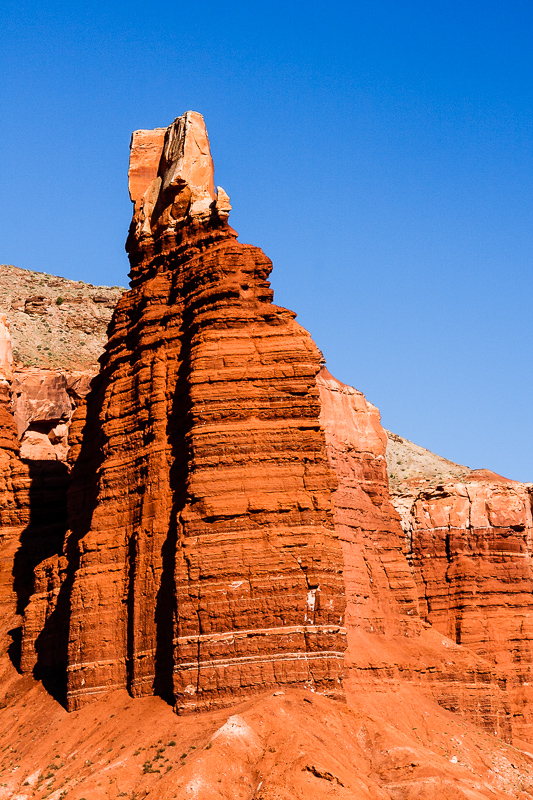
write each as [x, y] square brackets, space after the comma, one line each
[380, 588]
[32, 506]
[36, 407]
[32, 514]
[470, 546]
[8, 431]
[55, 323]
[58, 330]
[202, 561]
[52, 332]
[228, 507]
[11, 520]
[43, 403]
[389, 645]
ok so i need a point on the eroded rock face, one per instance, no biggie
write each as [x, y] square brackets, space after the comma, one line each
[55, 323]
[471, 551]
[171, 182]
[43, 402]
[32, 508]
[389, 645]
[8, 434]
[380, 588]
[6, 350]
[468, 540]
[12, 474]
[203, 562]
[228, 508]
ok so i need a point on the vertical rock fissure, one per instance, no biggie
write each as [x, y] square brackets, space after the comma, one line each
[130, 646]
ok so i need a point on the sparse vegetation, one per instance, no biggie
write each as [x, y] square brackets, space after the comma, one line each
[61, 332]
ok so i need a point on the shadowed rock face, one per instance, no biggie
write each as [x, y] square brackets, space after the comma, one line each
[32, 513]
[203, 563]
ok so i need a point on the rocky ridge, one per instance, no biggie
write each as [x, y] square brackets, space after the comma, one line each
[55, 323]
[407, 461]
[57, 332]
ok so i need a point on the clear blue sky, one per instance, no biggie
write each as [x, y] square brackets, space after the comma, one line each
[380, 153]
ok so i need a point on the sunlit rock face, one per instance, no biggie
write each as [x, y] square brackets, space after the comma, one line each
[32, 510]
[171, 183]
[470, 546]
[380, 587]
[202, 561]
[390, 646]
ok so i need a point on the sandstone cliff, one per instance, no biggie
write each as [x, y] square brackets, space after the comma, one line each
[58, 329]
[205, 558]
[32, 510]
[36, 407]
[468, 538]
[391, 741]
[202, 562]
[390, 644]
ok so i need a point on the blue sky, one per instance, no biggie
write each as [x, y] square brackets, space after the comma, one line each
[380, 153]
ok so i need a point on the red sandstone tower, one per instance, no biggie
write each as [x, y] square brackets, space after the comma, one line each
[203, 560]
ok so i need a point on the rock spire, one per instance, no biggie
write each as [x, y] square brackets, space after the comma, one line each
[171, 183]
[203, 562]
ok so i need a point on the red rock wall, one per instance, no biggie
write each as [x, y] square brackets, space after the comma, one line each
[389, 646]
[471, 552]
[380, 588]
[205, 559]
[14, 512]
[15, 483]
[32, 517]
[204, 564]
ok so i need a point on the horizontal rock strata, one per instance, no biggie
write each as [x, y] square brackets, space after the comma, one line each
[380, 587]
[55, 323]
[470, 544]
[388, 643]
[203, 563]
[32, 509]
